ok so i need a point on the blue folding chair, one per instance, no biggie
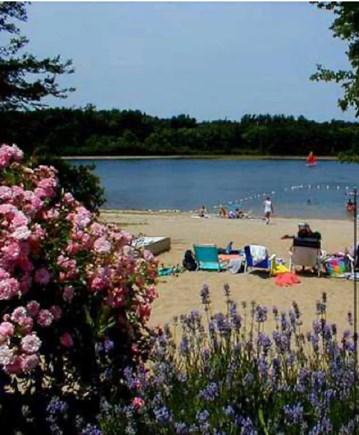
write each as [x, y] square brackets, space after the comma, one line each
[207, 257]
[265, 264]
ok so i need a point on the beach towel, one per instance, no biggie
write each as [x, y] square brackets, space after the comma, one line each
[279, 268]
[258, 253]
[235, 265]
[286, 279]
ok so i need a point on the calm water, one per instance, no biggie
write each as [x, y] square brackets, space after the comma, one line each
[186, 184]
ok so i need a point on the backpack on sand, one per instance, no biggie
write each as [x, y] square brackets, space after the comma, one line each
[189, 262]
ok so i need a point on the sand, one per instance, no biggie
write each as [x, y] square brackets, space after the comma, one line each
[179, 295]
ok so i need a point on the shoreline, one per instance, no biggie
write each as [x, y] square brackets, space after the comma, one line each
[197, 157]
[173, 213]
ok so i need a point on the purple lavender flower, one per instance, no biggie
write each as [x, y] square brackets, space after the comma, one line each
[260, 314]
[210, 392]
[293, 414]
[162, 415]
[323, 427]
[108, 345]
[181, 429]
[202, 417]
[264, 342]
[91, 430]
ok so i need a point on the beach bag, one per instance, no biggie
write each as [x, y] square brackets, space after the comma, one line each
[189, 262]
[336, 267]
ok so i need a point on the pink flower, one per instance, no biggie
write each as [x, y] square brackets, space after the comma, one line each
[7, 329]
[68, 293]
[66, 340]
[9, 287]
[18, 314]
[144, 311]
[11, 251]
[21, 233]
[30, 343]
[26, 324]
[138, 403]
[29, 362]
[19, 220]
[3, 274]
[98, 283]
[44, 318]
[56, 311]
[14, 367]
[102, 245]
[5, 193]
[33, 308]
[69, 199]
[42, 276]
[6, 355]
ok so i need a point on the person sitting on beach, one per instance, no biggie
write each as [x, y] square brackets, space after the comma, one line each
[350, 206]
[232, 214]
[239, 213]
[223, 213]
[304, 232]
[202, 211]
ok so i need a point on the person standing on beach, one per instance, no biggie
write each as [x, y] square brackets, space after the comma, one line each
[268, 209]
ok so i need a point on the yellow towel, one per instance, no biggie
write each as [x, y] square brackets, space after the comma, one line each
[279, 268]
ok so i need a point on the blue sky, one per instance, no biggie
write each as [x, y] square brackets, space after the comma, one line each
[208, 60]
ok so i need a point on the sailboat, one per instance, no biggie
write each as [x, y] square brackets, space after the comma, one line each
[311, 160]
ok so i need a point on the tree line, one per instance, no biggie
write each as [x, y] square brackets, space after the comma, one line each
[87, 131]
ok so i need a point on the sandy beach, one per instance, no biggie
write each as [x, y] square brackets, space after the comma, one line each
[180, 294]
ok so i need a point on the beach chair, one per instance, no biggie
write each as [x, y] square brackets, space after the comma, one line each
[257, 258]
[306, 253]
[207, 257]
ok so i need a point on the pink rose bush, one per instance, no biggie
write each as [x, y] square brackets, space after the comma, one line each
[69, 285]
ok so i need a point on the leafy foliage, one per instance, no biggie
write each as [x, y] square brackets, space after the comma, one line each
[79, 180]
[94, 132]
[17, 89]
[346, 27]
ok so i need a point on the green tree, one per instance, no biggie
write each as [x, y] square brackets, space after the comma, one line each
[345, 27]
[24, 79]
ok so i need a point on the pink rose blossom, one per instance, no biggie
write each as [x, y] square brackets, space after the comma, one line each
[102, 245]
[14, 367]
[42, 276]
[3, 274]
[30, 343]
[26, 324]
[44, 318]
[18, 314]
[7, 329]
[11, 251]
[69, 199]
[29, 362]
[56, 311]
[66, 340]
[5, 193]
[138, 403]
[32, 308]
[19, 220]
[21, 233]
[6, 355]
[68, 293]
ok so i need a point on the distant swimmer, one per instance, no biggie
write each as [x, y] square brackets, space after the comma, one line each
[309, 202]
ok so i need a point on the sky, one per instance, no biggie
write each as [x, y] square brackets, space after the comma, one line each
[210, 60]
